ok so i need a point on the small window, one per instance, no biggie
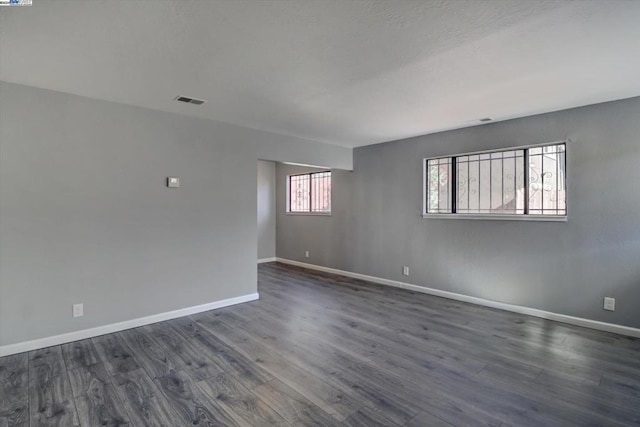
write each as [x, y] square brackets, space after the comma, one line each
[526, 181]
[310, 193]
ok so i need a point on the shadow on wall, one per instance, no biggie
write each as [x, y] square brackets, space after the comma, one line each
[266, 189]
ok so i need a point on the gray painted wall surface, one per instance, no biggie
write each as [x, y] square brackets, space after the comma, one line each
[86, 217]
[266, 209]
[559, 267]
[322, 235]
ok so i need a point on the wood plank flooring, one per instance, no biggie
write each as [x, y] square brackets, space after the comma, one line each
[320, 349]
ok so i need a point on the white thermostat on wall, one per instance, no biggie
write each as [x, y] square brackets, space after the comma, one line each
[173, 182]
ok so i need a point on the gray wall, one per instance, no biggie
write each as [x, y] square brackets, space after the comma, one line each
[322, 235]
[266, 209]
[85, 216]
[559, 267]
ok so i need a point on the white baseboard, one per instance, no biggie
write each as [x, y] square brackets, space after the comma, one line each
[21, 347]
[262, 260]
[577, 321]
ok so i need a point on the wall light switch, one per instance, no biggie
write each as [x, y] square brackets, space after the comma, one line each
[173, 182]
[609, 304]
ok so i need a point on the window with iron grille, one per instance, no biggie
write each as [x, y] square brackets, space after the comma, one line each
[517, 182]
[309, 193]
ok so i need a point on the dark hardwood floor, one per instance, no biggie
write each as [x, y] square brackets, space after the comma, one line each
[320, 349]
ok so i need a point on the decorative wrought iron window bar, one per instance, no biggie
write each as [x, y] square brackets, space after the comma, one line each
[519, 181]
[310, 193]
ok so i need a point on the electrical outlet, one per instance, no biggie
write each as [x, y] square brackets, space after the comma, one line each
[78, 310]
[609, 304]
[306, 254]
[405, 271]
[173, 182]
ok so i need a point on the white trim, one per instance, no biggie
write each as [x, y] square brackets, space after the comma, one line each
[263, 260]
[309, 213]
[577, 321]
[21, 347]
[499, 217]
[307, 166]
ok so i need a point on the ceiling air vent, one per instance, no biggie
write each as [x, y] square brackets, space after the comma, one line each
[188, 100]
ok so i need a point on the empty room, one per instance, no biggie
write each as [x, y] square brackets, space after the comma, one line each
[319, 213]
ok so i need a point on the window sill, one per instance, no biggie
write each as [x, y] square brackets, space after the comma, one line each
[494, 217]
[309, 213]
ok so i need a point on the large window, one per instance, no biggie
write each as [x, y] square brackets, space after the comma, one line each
[309, 193]
[519, 182]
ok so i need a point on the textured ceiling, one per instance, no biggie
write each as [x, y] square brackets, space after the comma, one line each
[345, 72]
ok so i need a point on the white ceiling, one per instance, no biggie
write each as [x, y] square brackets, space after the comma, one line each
[346, 72]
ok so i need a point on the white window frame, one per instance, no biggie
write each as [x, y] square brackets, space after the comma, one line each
[306, 213]
[497, 216]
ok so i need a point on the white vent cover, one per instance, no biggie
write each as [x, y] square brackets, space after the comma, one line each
[188, 100]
